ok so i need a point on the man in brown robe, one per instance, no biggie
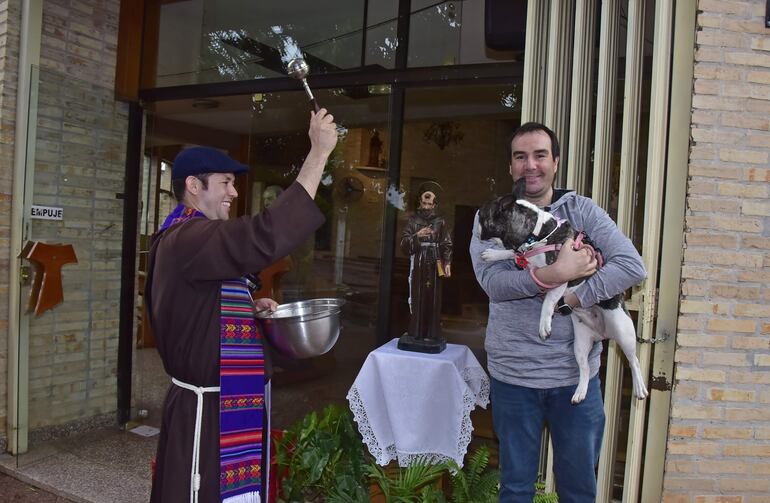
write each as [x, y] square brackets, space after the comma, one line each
[187, 264]
[427, 240]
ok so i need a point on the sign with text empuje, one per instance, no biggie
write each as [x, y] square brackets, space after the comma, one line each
[47, 212]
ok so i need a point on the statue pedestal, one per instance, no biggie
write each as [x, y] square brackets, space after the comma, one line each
[408, 343]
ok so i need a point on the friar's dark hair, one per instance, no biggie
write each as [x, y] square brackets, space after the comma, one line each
[178, 185]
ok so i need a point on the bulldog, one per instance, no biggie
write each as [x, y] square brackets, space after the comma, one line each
[532, 238]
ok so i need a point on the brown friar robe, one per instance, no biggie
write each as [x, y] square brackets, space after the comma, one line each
[425, 253]
[187, 264]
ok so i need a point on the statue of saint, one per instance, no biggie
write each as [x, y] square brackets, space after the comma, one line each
[375, 149]
[427, 240]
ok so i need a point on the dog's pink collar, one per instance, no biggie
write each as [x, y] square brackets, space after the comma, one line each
[523, 256]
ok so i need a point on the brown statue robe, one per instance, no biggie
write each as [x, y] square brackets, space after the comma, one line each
[429, 255]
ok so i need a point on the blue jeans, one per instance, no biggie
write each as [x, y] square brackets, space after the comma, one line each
[519, 415]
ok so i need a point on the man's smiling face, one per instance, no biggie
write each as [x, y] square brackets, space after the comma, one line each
[532, 158]
[215, 200]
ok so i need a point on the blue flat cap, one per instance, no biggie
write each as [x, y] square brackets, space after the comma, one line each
[197, 160]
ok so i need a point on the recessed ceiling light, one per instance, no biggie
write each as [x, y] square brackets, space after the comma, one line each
[204, 103]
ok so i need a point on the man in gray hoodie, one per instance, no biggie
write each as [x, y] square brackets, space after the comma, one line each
[533, 381]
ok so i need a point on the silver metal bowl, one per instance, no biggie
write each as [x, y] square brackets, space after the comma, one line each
[303, 329]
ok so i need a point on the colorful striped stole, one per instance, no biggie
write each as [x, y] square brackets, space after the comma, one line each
[242, 397]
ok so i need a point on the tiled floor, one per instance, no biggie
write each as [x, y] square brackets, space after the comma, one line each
[103, 466]
[109, 465]
[17, 491]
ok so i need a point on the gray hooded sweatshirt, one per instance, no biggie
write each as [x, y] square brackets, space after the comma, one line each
[516, 354]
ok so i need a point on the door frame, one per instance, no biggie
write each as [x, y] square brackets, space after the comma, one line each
[23, 177]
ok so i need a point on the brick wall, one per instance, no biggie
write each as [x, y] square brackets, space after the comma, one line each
[79, 163]
[719, 438]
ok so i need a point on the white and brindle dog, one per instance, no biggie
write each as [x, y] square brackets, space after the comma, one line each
[532, 237]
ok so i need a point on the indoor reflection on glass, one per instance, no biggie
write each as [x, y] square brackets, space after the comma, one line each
[242, 40]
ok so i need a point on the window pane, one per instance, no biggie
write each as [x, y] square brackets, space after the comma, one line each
[381, 31]
[203, 41]
[462, 149]
[450, 33]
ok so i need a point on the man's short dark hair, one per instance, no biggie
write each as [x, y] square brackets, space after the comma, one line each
[531, 127]
[178, 185]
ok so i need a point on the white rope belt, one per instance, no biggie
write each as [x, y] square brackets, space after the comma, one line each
[195, 478]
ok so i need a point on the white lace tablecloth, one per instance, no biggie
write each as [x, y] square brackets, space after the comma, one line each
[414, 405]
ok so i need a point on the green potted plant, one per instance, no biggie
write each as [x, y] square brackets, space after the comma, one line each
[416, 483]
[475, 483]
[321, 457]
[541, 496]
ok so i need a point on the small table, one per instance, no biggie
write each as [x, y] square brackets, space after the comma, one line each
[411, 406]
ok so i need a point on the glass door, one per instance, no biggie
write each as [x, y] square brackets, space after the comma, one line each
[343, 259]
[70, 259]
[454, 139]
[268, 131]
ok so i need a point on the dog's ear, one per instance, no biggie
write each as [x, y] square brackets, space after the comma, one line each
[490, 219]
[520, 188]
[505, 203]
[521, 221]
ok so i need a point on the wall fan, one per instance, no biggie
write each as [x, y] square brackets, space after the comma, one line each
[349, 189]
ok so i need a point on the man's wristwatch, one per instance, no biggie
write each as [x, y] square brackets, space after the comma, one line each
[563, 307]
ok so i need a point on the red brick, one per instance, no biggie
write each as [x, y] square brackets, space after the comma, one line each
[701, 340]
[713, 205]
[698, 484]
[731, 395]
[747, 450]
[760, 242]
[726, 432]
[699, 374]
[669, 497]
[743, 485]
[748, 156]
[762, 276]
[750, 377]
[735, 292]
[758, 175]
[728, 325]
[682, 431]
[760, 77]
[720, 240]
[708, 273]
[758, 310]
[694, 412]
[719, 499]
[745, 120]
[750, 342]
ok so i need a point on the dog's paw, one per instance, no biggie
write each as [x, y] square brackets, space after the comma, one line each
[545, 327]
[580, 393]
[493, 255]
[640, 391]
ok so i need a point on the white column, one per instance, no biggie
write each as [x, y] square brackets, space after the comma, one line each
[559, 77]
[656, 172]
[535, 57]
[581, 101]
